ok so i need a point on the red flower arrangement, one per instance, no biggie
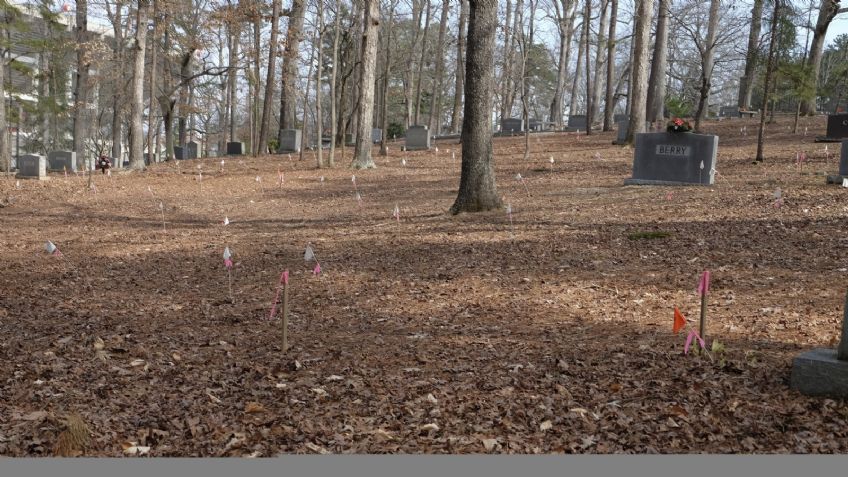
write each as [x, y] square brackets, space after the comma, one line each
[678, 125]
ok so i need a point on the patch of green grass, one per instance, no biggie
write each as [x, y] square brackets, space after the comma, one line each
[648, 235]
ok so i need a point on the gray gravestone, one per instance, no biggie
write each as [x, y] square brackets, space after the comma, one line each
[62, 161]
[537, 125]
[192, 149]
[674, 159]
[622, 130]
[729, 112]
[236, 149]
[822, 371]
[512, 125]
[180, 153]
[376, 135]
[843, 166]
[577, 121]
[289, 140]
[617, 118]
[350, 140]
[31, 166]
[417, 138]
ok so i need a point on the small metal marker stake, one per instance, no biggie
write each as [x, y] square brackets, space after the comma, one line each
[228, 264]
[551, 160]
[521, 180]
[396, 214]
[162, 209]
[509, 214]
[703, 290]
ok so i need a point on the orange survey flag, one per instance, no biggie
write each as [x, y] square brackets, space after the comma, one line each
[679, 321]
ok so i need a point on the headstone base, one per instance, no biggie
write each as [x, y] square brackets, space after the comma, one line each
[829, 139]
[36, 178]
[632, 181]
[819, 373]
[835, 179]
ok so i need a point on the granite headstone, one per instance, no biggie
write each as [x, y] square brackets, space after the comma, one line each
[236, 149]
[62, 161]
[32, 166]
[823, 371]
[417, 138]
[577, 121]
[512, 125]
[289, 140]
[667, 158]
[376, 135]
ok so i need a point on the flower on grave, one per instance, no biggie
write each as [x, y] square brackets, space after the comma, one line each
[678, 125]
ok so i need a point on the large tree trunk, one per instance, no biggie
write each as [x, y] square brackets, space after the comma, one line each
[235, 36]
[565, 28]
[707, 62]
[439, 82]
[257, 82]
[460, 68]
[151, 94]
[137, 103]
[508, 58]
[657, 81]
[639, 88]
[362, 154]
[767, 81]
[420, 73]
[746, 83]
[477, 189]
[384, 117]
[609, 97]
[587, 31]
[269, 82]
[600, 56]
[829, 8]
[5, 153]
[578, 71]
[319, 86]
[331, 160]
[81, 93]
[288, 77]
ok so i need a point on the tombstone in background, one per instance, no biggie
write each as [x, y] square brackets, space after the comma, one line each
[843, 166]
[837, 128]
[823, 371]
[376, 135]
[577, 121]
[62, 161]
[621, 135]
[674, 158]
[617, 118]
[236, 149]
[417, 138]
[180, 154]
[350, 140]
[536, 125]
[289, 140]
[192, 149]
[729, 112]
[32, 166]
[512, 125]
[149, 158]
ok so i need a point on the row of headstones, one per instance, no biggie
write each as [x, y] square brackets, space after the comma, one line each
[575, 121]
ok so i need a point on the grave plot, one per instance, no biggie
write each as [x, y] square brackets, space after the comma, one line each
[543, 327]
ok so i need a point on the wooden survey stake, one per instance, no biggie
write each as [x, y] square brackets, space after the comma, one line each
[285, 315]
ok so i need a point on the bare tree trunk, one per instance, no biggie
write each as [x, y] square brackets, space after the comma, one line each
[257, 82]
[460, 67]
[707, 62]
[746, 83]
[420, 74]
[639, 89]
[331, 160]
[767, 82]
[828, 11]
[225, 101]
[657, 81]
[362, 154]
[319, 117]
[477, 189]
[600, 56]
[578, 71]
[5, 152]
[137, 104]
[508, 79]
[305, 132]
[269, 82]
[565, 28]
[609, 99]
[81, 92]
[439, 82]
[409, 83]
[288, 77]
[235, 35]
[387, 68]
[587, 33]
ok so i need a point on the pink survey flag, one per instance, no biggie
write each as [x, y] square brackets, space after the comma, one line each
[317, 269]
[704, 283]
[52, 249]
[284, 280]
[228, 262]
[693, 335]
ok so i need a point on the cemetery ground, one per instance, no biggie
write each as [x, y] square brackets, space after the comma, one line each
[431, 333]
